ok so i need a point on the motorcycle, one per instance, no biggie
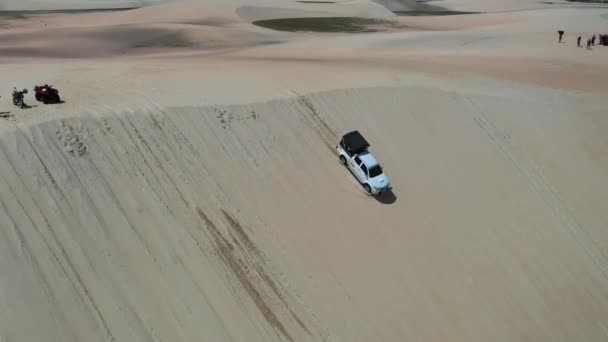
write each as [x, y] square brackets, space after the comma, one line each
[18, 97]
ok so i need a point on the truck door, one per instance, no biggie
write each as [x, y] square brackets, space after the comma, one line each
[356, 168]
[363, 172]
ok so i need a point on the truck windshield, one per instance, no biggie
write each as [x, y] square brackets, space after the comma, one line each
[375, 171]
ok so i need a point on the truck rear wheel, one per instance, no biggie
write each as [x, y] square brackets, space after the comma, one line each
[342, 160]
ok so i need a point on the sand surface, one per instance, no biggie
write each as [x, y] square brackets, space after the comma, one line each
[187, 189]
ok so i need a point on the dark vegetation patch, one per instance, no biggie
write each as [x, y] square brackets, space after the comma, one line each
[325, 24]
[25, 14]
[590, 1]
[431, 13]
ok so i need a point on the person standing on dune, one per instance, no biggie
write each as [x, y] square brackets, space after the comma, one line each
[561, 34]
[578, 41]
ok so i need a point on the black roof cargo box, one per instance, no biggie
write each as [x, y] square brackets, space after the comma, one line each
[355, 141]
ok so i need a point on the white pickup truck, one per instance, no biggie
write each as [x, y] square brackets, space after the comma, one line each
[352, 152]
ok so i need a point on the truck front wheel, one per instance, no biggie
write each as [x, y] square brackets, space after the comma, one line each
[367, 188]
[342, 160]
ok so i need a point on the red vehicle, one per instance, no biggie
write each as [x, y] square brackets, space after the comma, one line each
[46, 94]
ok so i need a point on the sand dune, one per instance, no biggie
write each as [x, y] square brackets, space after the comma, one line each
[156, 197]
[187, 188]
[41, 5]
[202, 26]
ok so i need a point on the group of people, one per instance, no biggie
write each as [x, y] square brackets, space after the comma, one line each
[590, 42]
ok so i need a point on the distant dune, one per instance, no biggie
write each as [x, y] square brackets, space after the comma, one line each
[21, 5]
[188, 189]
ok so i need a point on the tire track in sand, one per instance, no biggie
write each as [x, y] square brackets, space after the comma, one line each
[539, 183]
[323, 129]
[246, 262]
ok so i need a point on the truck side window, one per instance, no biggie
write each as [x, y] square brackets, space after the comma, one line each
[357, 160]
[364, 168]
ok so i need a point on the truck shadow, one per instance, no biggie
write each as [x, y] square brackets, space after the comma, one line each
[387, 197]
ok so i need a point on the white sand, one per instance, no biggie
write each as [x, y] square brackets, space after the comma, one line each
[188, 190]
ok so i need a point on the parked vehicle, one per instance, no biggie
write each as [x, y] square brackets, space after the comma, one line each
[353, 153]
[604, 39]
[46, 94]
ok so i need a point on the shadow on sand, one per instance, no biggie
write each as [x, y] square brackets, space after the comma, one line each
[55, 103]
[387, 198]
